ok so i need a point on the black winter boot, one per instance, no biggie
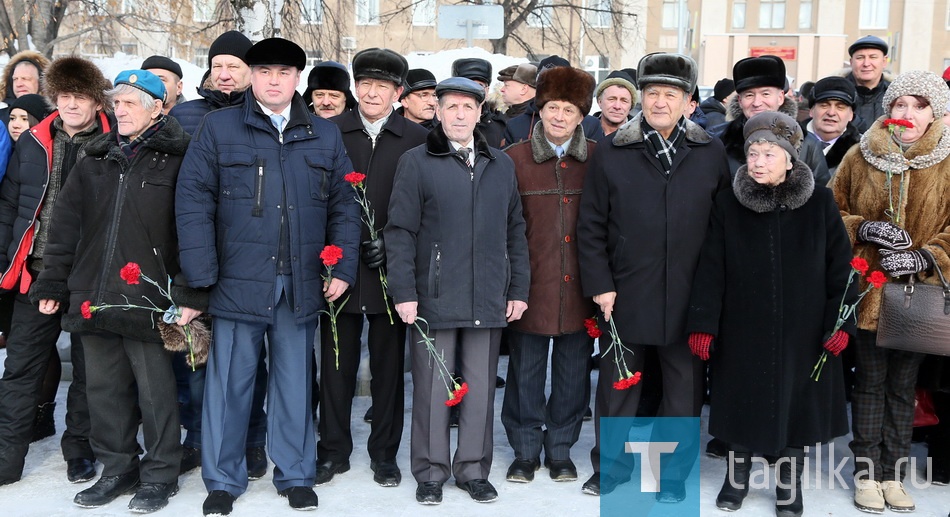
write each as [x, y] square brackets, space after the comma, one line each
[43, 424]
[736, 485]
[788, 489]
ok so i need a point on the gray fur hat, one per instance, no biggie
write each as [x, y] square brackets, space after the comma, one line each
[668, 68]
[922, 83]
[775, 127]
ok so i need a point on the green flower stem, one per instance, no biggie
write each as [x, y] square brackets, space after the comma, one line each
[439, 358]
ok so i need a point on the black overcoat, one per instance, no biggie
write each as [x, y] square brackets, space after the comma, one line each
[640, 230]
[771, 277]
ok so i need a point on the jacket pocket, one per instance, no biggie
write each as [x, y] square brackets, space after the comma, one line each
[319, 176]
[238, 175]
[435, 270]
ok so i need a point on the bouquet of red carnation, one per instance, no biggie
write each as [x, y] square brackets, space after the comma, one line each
[356, 179]
[627, 379]
[193, 337]
[330, 255]
[454, 389]
[875, 280]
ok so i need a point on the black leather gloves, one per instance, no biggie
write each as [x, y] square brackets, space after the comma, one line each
[373, 252]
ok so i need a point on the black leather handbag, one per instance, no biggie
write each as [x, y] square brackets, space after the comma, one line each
[915, 317]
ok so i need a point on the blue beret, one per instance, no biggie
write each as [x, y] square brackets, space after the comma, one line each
[143, 80]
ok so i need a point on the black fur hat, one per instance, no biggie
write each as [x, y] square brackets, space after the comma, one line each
[329, 75]
[418, 79]
[755, 72]
[564, 83]
[472, 68]
[276, 51]
[668, 68]
[72, 74]
[380, 63]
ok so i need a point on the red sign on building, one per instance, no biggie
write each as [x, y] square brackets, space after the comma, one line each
[786, 53]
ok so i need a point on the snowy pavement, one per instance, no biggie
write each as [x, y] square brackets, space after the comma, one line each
[44, 491]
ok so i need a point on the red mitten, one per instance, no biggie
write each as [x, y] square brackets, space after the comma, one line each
[837, 342]
[699, 343]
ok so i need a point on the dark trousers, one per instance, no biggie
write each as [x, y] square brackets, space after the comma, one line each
[124, 373]
[525, 411]
[232, 369]
[430, 453]
[386, 344]
[682, 397]
[31, 341]
[257, 428]
[882, 408]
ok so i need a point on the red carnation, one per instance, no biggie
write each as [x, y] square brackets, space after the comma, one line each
[888, 123]
[355, 178]
[860, 265]
[331, 254]
[592, 329]
[86, 309]
[635, 379]
[131, 273]
[877, 279]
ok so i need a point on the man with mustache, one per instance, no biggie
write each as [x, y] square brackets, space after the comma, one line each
[418, 98]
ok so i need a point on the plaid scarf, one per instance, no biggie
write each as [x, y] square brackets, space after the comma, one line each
[664, 149]
[131, 147]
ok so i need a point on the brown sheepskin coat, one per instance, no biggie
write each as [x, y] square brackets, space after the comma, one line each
[861, 193]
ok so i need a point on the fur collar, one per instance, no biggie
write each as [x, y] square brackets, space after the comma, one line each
[734, 111]
[172, 139]
[792, 193]
[438, 144]
[883, 153]
[631, 133]
[541, 151]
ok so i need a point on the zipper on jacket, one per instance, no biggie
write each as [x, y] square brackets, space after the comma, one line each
[438, 270]
[258, 210]
[113, 231]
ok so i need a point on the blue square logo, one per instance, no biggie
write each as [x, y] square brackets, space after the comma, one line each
[649, 467]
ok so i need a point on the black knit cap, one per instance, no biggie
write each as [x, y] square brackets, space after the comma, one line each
[276, 51]
[755, 72]
[418, 79]
[833, 87]
[232, 43]
[382, 64]
[163, 63]
[33, 104]
[723, 88]
[473, 68]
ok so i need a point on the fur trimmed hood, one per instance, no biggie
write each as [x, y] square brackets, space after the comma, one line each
[541, 151]
[631, 133]
[734, 110]
[6, 82]
[792, 193]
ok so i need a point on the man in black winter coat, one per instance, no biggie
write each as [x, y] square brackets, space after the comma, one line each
[375, 138]
[868, 59]
[715, 106]
[491, 123]
[830, 118]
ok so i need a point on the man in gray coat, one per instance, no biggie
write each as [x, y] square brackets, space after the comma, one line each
[455, 212]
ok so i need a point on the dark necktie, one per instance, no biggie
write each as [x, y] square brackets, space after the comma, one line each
[464, 153]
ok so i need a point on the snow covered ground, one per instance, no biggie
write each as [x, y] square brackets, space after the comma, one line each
[44, 491]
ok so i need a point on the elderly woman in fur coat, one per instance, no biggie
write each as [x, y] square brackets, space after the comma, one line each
[892, 190]
[772, 273]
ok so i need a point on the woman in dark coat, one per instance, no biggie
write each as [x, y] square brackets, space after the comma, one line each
[771, 276]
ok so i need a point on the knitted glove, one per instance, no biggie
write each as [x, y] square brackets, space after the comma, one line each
[884, 234]
[898, 263]
[837, 343]
[373, 252]
[699, 343]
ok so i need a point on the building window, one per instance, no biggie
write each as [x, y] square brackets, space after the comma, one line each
[738, 14]
[203, 10]
[130, 6]
[367, 12]
[311, 12]
[874, 14]
[201, 58]
[772, 14]
[314, 57]
[597, 66]
[129, 48]
[599, 15]
[804, 14]
[670, 14]
[540, 16]
[423, 13]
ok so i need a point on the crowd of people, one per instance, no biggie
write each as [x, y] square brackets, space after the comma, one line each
[193, 248]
